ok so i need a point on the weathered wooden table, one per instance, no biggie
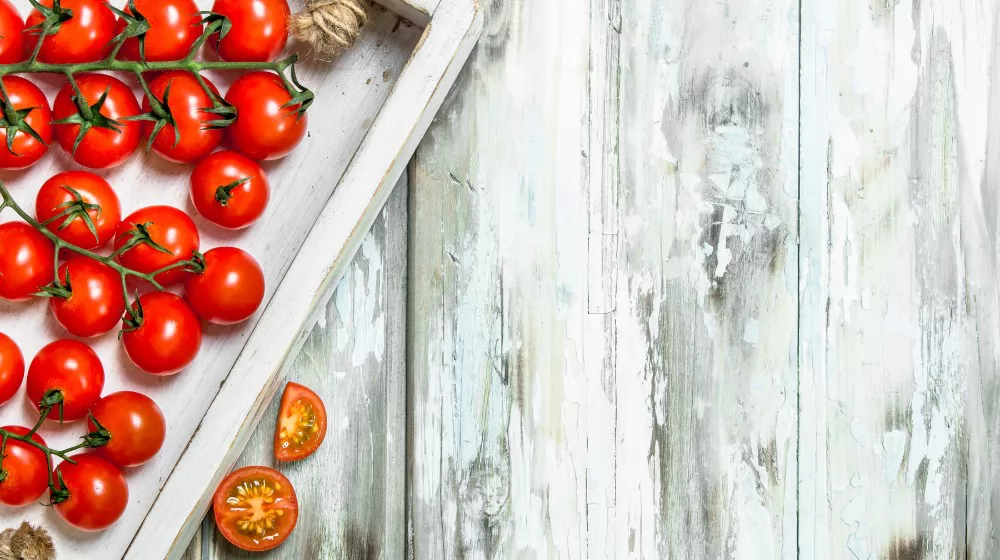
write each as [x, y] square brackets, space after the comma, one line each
[687, 279]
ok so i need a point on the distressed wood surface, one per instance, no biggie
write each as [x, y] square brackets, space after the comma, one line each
[899, 279]
[603, 297]
[351, 491]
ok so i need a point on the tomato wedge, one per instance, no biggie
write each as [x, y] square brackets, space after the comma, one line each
[301, 424]
[255, 508]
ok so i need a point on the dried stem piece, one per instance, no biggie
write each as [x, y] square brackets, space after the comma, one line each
[330, 26]
[26, 543]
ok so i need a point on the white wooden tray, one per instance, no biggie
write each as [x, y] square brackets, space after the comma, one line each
[373, 105]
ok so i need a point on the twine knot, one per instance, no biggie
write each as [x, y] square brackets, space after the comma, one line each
[330, 26]
[26, 543]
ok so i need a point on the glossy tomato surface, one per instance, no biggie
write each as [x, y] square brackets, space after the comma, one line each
[301, 424]
[26, 149]
[136, 425]
[167, 226]
[231, 288]
[98, 492]
[186, 101]
[169, 337]
[71, 367]
[11, 34]
[255, 508]
[11, 368]
[105, 144]
[27, 261]
[27, 470]
[265, 128]
[229, 189]
[259, 31]
[95, 303]
[174, 25]
[85, 37]
[59, 194]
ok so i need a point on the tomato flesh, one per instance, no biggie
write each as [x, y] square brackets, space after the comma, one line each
[98, 492]
[255, 508]
[136, 425]
[71, 367]
[27, 261]
[301, 424]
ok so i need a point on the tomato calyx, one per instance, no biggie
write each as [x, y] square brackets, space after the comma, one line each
[99, 437]
[78, 208]
[15, 120]
[159, 114]
[302, 96]
[89, 116]
[54, 17]
[225, 192]
[136, 25]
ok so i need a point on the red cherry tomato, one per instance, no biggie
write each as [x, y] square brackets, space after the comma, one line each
[11, 34]
[169, 227]
[102, 146]
[301, 424]
[186, 102]
[264, 127]
[27, 261]
[231, 288]
[229, 189]
[136, 425]
[72, 367]
[95, 303]
[26, 149]
[259, 31]
[27, 470]
[85, 37]
[11, 368]
[168, 338]
[98, 492]
[174, 25]
[255, 508]
[57, 196]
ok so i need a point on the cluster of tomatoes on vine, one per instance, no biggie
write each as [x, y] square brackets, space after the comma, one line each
[78, 250]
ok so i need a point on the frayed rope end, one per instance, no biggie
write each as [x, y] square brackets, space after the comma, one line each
[330, 26]
[27, 542]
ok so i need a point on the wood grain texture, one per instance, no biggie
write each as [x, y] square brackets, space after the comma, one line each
[899, 279]
[603, 287]
[351, 491]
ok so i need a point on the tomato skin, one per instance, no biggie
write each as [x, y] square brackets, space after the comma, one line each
[168, 339]
[11, 368]
[11, 34]
[27, 261]
[169, 227]
[231, 288]
[186, 101]
[83, 38]
[259, 32]
[94, 190]
[136, 425]
[301, 426]
[280, 510]
[264, 129]
[72, 367]
[246, 201]
[27, 470]
[23, 95]
[96, 303]
[100, 148]
[98, 492]
[174, 25]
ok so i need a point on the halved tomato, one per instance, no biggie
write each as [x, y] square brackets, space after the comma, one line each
[301, 424]
[255, 508]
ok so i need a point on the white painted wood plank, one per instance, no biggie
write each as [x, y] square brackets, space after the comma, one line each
[351, 492]
[899, 284]
[581, 397]
[322, 259]
[302, 182]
